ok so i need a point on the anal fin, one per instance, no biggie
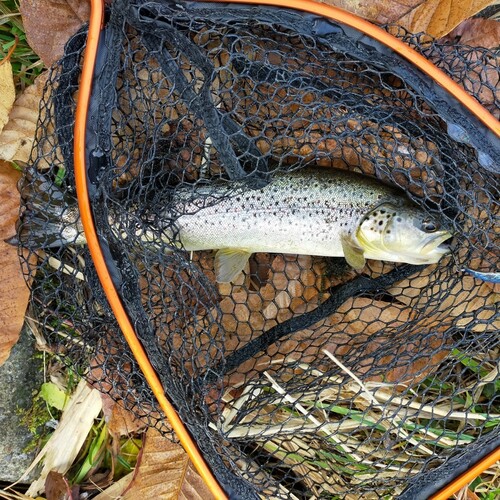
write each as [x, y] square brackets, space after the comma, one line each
[229, 262]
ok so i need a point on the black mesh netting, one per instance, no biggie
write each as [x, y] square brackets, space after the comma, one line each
[301, 377]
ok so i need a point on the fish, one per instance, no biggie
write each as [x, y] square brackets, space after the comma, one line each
[314, 211]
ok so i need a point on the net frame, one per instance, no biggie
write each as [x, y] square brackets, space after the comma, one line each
[85, 208]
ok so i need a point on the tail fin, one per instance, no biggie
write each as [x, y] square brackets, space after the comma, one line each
[48, 217]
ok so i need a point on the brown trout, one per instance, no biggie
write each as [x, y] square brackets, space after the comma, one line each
[321, 212]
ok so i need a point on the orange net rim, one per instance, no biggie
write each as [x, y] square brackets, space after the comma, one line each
[85, 89]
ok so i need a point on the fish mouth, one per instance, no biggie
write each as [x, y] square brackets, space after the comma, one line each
[436, 244]
[431, 251]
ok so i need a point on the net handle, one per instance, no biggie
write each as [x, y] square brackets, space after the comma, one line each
[85, 89]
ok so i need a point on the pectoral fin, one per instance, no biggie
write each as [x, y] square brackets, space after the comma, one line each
[229, 262]
[353, 253]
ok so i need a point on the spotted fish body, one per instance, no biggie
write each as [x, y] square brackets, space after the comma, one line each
[297, 213]
[322, 212]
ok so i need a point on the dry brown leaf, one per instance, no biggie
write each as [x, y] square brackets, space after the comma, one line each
[193, 486]
[57, 487]
[124, 422]
[7, 92]
[477, 74]
[439, 17]
[17, 137]
[165, 472]
[50, 23]
[476, 32]
[121, 422]
[378, 12]
[480, 80]
[13, 290]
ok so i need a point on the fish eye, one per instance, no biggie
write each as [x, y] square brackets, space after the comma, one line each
[430, 226]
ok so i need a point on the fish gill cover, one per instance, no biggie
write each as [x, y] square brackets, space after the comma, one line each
[216, 135]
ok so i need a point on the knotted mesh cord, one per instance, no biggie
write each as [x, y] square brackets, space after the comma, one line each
[189, 96]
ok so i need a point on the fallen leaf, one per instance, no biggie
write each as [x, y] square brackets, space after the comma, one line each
[64, 445]
[462, 54]
[193, 486]
[165, 471]
[476, 32]
[57, 487]
[120, 421]
[17, 137]
[50, 23]
[377, 12]
[53, 396]
[7, 91]
[439, 17]
[13, 290]
[124, 422]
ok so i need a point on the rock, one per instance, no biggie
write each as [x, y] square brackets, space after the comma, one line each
[20, 377]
